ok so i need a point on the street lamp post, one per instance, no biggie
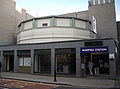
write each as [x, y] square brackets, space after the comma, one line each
[55, 70]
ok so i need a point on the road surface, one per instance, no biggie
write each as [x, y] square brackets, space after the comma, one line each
[19, 84]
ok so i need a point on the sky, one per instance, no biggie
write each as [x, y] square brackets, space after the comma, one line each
[40, 8]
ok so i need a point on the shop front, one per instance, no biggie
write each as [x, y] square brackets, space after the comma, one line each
[24, 61]
[66, 58]
[8, 61]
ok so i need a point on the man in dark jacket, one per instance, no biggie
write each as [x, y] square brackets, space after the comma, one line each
[96, 66]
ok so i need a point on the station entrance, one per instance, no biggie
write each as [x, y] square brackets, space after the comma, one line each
[101, 58]
[95, 61]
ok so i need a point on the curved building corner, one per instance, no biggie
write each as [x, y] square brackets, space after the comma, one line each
[54, 29]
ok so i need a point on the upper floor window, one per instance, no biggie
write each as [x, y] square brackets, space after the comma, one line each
[45, 24]
[96, 2]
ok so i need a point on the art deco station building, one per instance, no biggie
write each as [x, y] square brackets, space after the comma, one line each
[54, 29]
[64, 43]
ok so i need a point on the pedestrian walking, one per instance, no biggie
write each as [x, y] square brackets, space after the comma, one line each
[96, 66]
[90, 66]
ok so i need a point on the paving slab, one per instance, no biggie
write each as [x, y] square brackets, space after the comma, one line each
[82, 82]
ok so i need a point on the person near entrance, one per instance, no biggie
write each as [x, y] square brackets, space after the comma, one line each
[90, 66]
[96, 66]
[0, 68]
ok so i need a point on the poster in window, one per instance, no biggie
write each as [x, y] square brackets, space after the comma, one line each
[111, 56]
[27, 61]
[20, 61]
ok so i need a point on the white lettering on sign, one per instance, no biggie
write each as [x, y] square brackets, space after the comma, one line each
[87, 50]
[101, 49]
[96, 49]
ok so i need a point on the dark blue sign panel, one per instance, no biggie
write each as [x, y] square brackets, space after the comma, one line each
[94, 50]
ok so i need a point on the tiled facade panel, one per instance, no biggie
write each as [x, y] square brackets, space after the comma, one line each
[80, 24]
[63, 22]
[28, 25]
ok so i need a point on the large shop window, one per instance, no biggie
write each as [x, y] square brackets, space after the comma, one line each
[43, 61]
[66, 61]
[25, 61]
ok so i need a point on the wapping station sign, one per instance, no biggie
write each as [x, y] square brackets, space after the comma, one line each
[93, 49]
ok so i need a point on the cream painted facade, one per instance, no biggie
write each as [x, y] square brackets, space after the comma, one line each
[64, 22]
[79, 24]
[53, 29]
[28, 25]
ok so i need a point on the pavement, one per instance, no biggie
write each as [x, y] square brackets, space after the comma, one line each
[79, 82]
